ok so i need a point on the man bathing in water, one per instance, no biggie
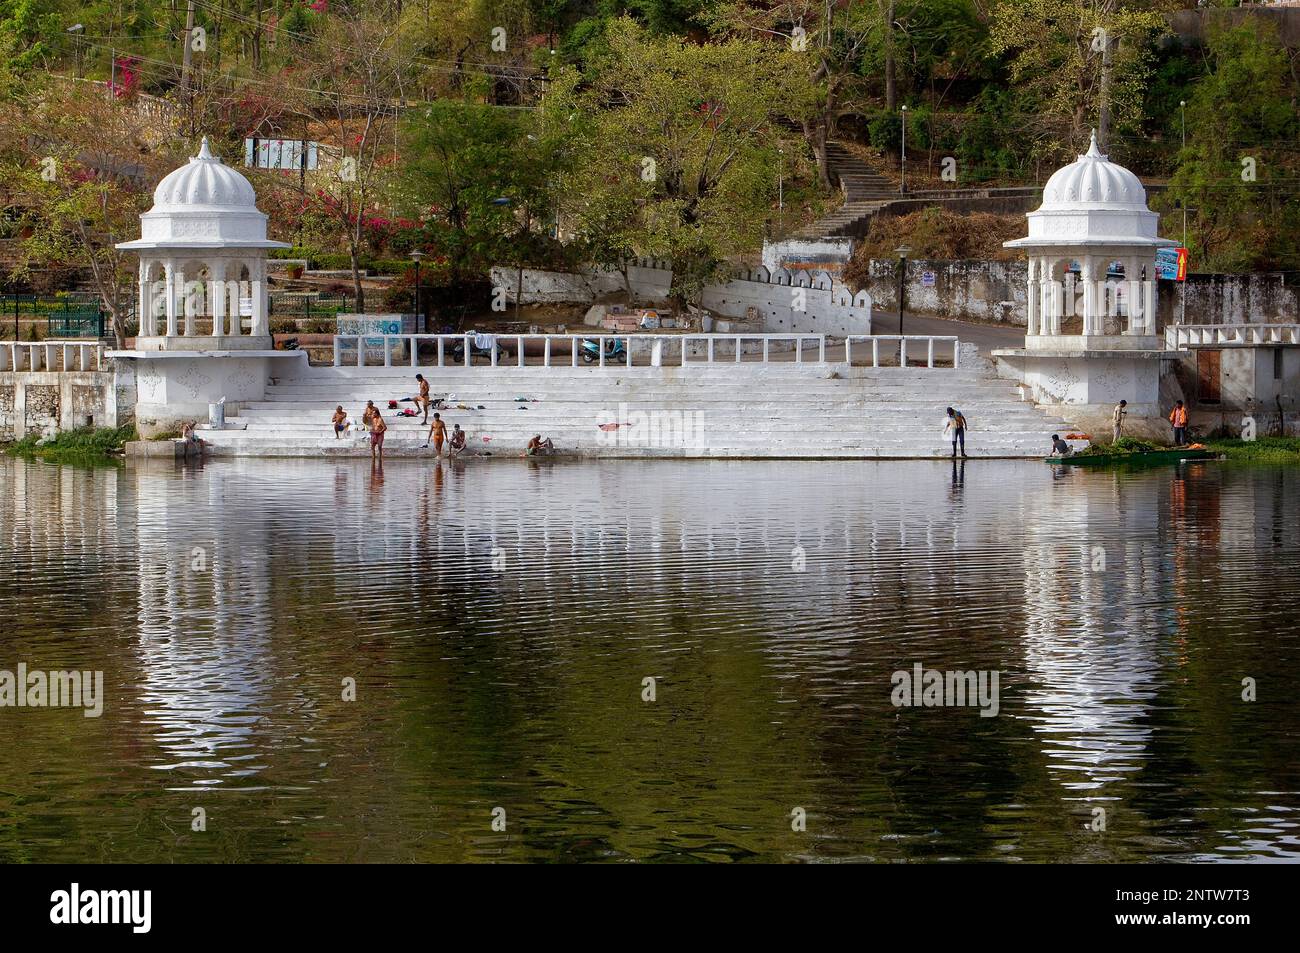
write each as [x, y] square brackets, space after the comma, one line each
[437, 433]
[457, 441]
[377, 429]
[539, 446]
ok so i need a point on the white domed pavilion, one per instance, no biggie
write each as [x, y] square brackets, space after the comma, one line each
[1095, 213]
[203, 261]
[1092, 255]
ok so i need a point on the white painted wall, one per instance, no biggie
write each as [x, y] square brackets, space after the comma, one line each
[785, 302]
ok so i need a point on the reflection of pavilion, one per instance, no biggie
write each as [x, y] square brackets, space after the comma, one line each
[1093, 636]
[204, 614]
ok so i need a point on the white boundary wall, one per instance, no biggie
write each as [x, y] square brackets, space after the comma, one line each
[785, 302]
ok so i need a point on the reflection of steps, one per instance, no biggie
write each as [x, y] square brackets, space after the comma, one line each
[772, 410]
[865, 191]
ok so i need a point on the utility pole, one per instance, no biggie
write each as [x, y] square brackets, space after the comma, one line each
[1103, 118]
[187, 54]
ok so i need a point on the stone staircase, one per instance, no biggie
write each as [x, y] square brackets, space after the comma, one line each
[748, 409]
[865, 191]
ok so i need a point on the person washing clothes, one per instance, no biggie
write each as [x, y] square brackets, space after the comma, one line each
[954, 429]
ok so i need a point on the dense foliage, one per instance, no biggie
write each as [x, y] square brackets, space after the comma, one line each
[542, 131]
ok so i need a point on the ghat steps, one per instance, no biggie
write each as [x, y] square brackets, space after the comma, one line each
[719, 410]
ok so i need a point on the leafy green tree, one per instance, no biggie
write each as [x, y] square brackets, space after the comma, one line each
[78, 181]
[682, 139]
[1240, 122]
[1084, 62]
[480, 179]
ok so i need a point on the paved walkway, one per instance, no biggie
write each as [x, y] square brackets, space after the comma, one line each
[985, 336]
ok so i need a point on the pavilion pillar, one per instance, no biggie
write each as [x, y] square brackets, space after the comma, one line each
[169, 287]
[1032, 299]
[182, 308]
[1055, 299]
[1087, 275]
[257, 282]
[218, 270]
[143, 313]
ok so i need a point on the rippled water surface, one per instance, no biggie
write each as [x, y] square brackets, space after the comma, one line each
[500, 619]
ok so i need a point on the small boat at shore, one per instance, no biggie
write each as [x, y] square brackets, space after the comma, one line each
[1136, 458]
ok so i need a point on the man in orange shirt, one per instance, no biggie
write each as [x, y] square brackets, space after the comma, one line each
[1179, 420]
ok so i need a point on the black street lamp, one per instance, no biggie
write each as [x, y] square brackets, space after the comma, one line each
[416, 255]
[902, 251]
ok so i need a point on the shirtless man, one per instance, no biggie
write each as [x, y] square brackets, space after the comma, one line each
[437, 433]
[457, 441]
[539, 446]
[340, 421]
[377, 429]
[422, 399]
[369, 412]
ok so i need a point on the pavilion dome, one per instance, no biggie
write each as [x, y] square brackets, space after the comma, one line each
[203, 205]
[1093, 181]
[204, 181]
[1093, 203]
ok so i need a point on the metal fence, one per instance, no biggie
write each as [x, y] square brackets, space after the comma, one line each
[289, 304]
[71, 315]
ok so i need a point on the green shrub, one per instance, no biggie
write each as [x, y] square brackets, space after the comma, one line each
[85, 444]
[1262, 450]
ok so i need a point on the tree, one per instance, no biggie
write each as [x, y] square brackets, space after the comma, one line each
[830, 41]
[1238, 170]
[480, 180]
[364, 66]
[683, 137]
[1080, 59]
[82, 176]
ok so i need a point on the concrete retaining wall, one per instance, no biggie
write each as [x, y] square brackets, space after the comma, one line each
[996, 291]
[45, 402]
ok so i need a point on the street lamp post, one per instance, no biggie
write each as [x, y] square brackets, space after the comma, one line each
[902, 251]
[780, 192]
[902, 184]
[1182, 293]
[416, 255]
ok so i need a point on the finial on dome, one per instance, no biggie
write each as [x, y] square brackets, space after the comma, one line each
[1093, 152]
[204, 151]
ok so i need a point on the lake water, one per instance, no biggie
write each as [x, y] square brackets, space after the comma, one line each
[500, 620]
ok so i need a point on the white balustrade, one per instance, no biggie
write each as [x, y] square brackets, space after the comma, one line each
[692, 349]
[1179, 337]
[45, 356]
